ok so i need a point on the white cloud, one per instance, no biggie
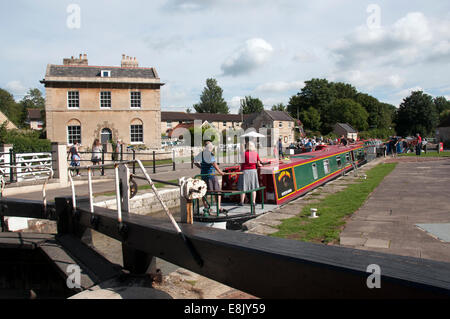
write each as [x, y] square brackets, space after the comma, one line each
[235, 102]
[252, 55]
[280, 86]
[17, 89]
[369, 79]
[412, 39]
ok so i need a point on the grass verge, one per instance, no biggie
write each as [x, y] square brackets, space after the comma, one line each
[428, 154]
[332, 210]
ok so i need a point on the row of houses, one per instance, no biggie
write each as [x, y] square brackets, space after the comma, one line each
[286, 125]
[85, 102]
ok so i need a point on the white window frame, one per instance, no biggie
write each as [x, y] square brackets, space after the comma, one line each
[110, 100]
[131, 134]
[280, 124]
[69, 99]
[339, 161]
[314, 170]
[69, 134]
[107, 72]
[131, 100]
[326, 167]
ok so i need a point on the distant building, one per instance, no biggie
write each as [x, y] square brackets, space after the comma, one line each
[10, 125]
[443, 131]
[34, 119]
[86, 102]
[169, 120]
[346, 130]
[273, 119]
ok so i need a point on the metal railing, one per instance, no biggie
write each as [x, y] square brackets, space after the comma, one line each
[149, 159]
[18, 167]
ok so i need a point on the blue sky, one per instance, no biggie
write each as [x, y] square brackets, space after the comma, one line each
[262, 48]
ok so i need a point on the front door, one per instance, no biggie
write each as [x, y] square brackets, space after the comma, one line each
[106, 135]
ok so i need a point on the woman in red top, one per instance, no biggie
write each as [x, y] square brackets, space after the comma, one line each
[249, 179]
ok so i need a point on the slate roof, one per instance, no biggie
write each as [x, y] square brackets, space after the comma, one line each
[347, 127]
[210, 117]
[279, 115]
[34, 114]
[94, 71]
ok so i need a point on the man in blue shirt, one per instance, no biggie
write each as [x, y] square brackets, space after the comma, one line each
[206, 161]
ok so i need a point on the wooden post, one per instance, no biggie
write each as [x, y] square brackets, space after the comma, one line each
[154, 163]
[124, 178]
[186, 206]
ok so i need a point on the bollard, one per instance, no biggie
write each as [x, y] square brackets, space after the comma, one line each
[103, 160]
[134, 163]
[173, 159]
[313, 213]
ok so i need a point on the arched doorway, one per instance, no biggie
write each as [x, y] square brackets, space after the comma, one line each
[106, 135]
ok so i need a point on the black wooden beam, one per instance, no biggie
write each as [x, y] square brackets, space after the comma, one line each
[278, 268]
[264, 266]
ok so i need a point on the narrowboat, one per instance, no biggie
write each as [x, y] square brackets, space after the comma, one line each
[282, 180]
[288, 178]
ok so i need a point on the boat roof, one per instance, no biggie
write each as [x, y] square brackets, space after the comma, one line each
[330, 150]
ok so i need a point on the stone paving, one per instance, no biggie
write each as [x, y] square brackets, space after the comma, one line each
[416, 192]
[267, 223]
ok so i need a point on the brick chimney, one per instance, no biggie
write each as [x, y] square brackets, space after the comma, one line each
[82, 60]
[129, 62]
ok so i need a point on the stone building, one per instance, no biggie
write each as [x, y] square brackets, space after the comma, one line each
[443, 132]
[34, 119]
[86, 102]
[273, 119]
[346, 130]
[10, 125]
[169, 120]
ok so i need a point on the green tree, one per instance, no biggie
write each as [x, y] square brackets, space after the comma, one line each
[9, 107]
[211, 100]
[416, 114]
[310, 119]
[317, 93]
[252, 105]
[442, 104]
[345, 91]
[279, 107]
[33, 99]
[349, 111]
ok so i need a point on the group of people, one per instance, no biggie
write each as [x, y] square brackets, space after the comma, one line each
[248, 178]
[96, 154]
[310, 144]
[400, 145]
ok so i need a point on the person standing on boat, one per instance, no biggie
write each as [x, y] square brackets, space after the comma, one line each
[280, 148]
[206, 161]
[249, 178]
[419, 144]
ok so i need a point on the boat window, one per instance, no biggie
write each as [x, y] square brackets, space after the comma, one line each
[314, 169]
[339, 161]
[326, 166]
[347, 157]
